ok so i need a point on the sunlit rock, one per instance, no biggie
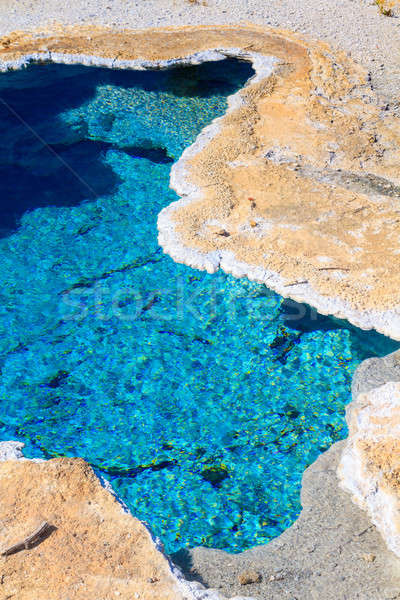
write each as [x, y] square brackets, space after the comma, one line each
[370, 464]
[92, 547]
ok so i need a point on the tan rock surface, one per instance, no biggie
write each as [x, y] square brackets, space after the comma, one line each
[97, 551]
[370, 464]
[312, 160]
[302, 172]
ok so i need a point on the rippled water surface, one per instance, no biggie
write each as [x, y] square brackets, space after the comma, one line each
[202, 398]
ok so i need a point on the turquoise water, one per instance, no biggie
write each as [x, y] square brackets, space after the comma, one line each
[200, 397]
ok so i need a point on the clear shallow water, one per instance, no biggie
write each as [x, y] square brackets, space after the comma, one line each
[200, 397]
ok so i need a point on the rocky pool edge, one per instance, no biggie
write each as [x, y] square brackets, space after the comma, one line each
[263, 66]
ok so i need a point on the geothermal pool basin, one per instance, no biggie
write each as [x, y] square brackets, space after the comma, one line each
[202, 398]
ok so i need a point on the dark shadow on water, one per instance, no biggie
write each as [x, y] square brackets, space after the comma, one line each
[74, 174]
[302, 318]
[44, 163]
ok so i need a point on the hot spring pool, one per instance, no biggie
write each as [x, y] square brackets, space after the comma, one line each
[198, 396]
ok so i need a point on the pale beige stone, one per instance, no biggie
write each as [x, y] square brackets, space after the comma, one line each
[370, 464]
[249, 576]
[369, 558]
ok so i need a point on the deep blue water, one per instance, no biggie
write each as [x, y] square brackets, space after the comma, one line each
[200, 397]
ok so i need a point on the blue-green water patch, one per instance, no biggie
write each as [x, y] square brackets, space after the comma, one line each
[201, 397]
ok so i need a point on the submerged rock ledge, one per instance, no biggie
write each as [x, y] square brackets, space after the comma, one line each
[301, 174]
